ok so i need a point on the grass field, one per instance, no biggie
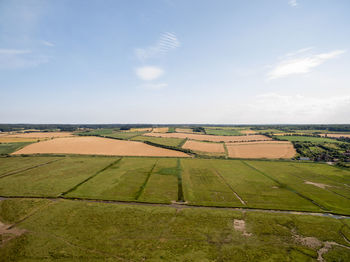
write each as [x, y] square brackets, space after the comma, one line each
[223, 132]
[81, 231]
[307, 139]
[8, 148]
[160, 140]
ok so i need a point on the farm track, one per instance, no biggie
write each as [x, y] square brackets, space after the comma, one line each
[91, 177]
[234, 192]
[28, 168]
[142, 188]
[286, 187]
[184, 205]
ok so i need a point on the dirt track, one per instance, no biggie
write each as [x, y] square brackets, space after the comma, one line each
[97, 146]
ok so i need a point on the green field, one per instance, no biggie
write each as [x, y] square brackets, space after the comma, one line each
[8, 148]
[223, 132]
[160, 140]
[70, 209]
[67, 230]
[307, 139]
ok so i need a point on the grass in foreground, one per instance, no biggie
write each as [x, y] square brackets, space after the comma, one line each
[78, 231]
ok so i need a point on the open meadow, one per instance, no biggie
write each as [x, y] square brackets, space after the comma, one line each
[66, 207]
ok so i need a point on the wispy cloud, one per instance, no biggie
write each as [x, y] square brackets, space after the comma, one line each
[293, 3]
[167, 42]
[49, 44]
[148, 73]
[292, 65]
[20, 58]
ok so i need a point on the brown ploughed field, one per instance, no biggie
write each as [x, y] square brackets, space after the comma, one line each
[97, 146]
[212, 138]
[204, 146]
[265, 149]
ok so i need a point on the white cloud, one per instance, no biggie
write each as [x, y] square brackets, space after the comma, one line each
[167, 42]
[49, 44]
[148, 73]
[20, 58]
[293, 3]
[302, 64]
[155, 86]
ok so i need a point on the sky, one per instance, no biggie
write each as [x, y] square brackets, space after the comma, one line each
[175, 61]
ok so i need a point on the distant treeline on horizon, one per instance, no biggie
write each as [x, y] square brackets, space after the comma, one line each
[73, 127]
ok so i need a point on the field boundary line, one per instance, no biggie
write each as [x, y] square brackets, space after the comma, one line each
[91, 177]
[180, 193]
[234, 192]
[226, 151]
[287, 187]
[142, 188]
[30, 214]
[29, 168]
[180, 206]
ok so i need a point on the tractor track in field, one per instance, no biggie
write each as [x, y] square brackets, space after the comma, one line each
[228, 184]
[28, 168]
[184, 205]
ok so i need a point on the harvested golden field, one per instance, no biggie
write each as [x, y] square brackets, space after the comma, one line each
[248, 132]
[149, 129]
[41, 134]
[160, 129]
[97, 146]
[184, 130]
[16, 139]
[212, 138]
[263, 149]
[204, 146]
[335, 135]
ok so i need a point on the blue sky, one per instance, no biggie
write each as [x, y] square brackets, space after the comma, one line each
[175, 61]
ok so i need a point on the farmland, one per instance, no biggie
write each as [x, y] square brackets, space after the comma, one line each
[204, 146]
[62, 198]
[211, 138]
[307, 139]
[96, 146]
[65, 207]
[264, 149]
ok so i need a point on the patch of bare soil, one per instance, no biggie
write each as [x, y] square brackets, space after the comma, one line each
[323, 186]
[204, 146]
[7, 232]
[160, 130]
[261, 149]
[239, 225]
[97, 146]
[314, 243]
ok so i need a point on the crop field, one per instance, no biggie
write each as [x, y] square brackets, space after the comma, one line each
[8, 148]
[223, 132]
[332, 135]
[39, 135]
[96, 146]
[175, 215]
[307, 139]
[212, 138]
[68, 230]
[17, 139]
[160, 130]
[160, 140]
[204, 146]
[264, 149]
